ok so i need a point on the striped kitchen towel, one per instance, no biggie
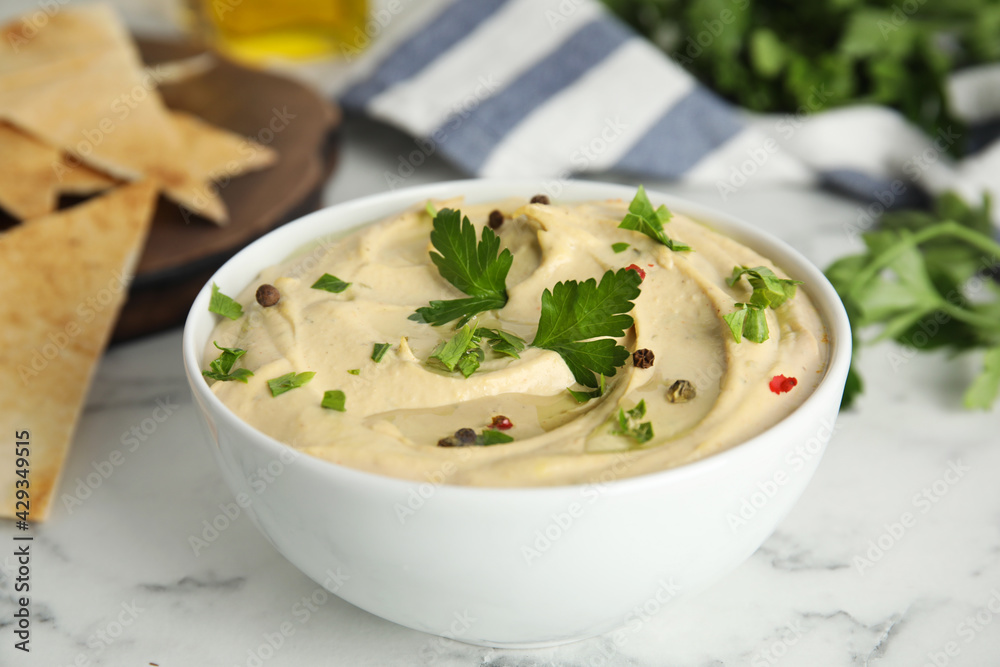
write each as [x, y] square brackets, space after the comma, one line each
[552, 88]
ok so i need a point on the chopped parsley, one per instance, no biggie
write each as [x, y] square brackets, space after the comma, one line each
[221, 367]
[330, 284]
[620, 247]
[628, 424]
[580, 320]
[334, 400]
[477, 269]
[769, 291]
[224, 305]
[503, 342]
[379, 350]
[461, 352]
[584, 396]
[642, 217]
[355, 371]
[288, 381]
[492, 436]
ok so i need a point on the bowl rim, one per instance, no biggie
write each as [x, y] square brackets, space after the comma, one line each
[324, 221]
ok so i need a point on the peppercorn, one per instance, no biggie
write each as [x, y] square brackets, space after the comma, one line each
[501, 423]
[540, 199]
[680, 391]
[466, 436]
[268, 295]
[463, 437]
[643, 358]
[496, 219]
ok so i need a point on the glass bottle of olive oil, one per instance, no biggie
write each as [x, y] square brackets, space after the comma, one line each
[260, 30]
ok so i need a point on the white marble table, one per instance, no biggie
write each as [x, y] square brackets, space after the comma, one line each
[116, 579]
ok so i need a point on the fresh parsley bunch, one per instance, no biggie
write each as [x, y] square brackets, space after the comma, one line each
[786, 56]
[928, 279]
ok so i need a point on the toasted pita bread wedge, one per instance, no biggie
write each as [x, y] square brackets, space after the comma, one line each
[26, 176]
[66, 276]
[33, 175]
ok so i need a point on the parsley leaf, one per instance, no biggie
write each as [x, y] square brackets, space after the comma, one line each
[379, 350]
[619, 247]
[580, 320]
[985, 388]
[503, 342]
[224, 305]
[288, 381]
[221, 367]
[330, 284]
[642, 217]
[334, 400]
[461, 351]
[584, 396]
[354, 371]
[913, 281]
[769, 291]
[628, 424]
[491, 436]
[479, 270]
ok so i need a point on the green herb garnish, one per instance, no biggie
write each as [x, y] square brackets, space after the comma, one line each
[491, 436]
[915, 279]
[620, 247]
[642, 217]
[288, 381]
[503, 342]
[330, 284]
[379, 350]
[461, 351]
[221, 367]
[628, 424]
[769, 291]
[431, 211]
[334, 400]
[584, 396]
[224, 305]
[355, 371]
[479, 270]
[581, 320]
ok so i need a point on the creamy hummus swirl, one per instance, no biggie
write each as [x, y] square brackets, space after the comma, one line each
[398, 409]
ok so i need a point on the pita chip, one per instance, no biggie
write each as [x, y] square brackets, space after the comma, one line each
[100, 105]
[33, 175]
[66, 277]
[26, 175]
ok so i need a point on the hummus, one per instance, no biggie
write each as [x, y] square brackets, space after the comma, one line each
[397, 409]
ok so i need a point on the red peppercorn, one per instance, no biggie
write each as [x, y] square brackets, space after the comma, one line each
[780, 384]
[637, 269]
[501, 423]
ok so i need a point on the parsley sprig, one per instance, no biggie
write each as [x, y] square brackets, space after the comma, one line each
[222, 368]
[580, 320]
[477, 269]
[927, 279]
[642, 217]
[769, 291]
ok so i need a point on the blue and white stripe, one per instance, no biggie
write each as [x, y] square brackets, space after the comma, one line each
[550, 88]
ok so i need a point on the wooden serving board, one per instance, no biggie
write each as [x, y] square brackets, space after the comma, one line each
[184, 250]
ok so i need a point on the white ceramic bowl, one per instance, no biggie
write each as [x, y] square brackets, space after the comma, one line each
[517, 567]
